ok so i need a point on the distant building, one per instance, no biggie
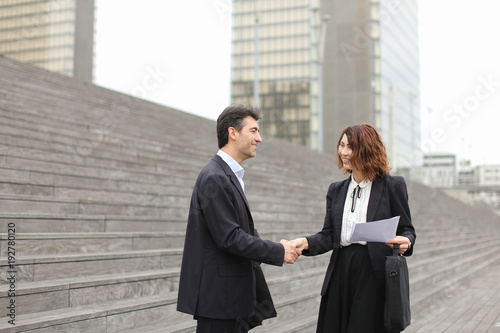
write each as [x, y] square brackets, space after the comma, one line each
[489, 175]
[488, 189]
[440, 170]
[467, 183]
[57, 35]
[482, 176]
[365, 71]
[467, 175]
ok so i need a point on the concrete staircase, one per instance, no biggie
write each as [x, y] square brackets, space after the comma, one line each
[97, 185]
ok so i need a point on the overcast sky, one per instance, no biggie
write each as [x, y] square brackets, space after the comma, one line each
[177, 53]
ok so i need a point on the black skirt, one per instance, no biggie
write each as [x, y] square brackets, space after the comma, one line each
[352, 303]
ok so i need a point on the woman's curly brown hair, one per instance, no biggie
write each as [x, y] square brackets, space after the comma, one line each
[368, 151]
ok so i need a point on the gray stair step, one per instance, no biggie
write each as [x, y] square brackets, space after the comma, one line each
[51, 223]
[107, 317]
[84, 192]
[184, 325]
[12, 174]
[118, 223]
[34, 204]
[431, 269]
[43, 296]
[424, 290]
[28, 244]
[452, 244]
[41, 268]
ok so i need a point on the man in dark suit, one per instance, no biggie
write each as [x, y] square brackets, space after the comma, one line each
[221, 282]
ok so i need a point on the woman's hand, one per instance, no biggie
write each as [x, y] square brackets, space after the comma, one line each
[301, 244]
[404, 242]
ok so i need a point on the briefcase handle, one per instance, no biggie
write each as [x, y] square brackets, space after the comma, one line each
[395, 249]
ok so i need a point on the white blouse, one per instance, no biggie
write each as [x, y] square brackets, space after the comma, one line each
[355, 208]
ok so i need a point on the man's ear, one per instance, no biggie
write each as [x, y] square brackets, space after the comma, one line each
[232, 133]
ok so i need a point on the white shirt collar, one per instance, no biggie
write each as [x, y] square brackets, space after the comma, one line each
[362, 184]
[235, 166]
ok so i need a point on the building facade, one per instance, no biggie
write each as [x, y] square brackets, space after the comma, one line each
[489, 185]
[440, 170]
[489, 175]
[57, 35]
[274, 42]
[463, 181]
[318, 66]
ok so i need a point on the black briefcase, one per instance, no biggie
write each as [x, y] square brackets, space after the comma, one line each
[397, 315]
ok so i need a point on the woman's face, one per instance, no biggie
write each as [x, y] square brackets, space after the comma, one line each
[345, 153]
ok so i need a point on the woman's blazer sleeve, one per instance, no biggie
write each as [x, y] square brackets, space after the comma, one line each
[400, 207]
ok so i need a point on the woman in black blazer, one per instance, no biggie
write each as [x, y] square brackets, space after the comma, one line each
[354, 287]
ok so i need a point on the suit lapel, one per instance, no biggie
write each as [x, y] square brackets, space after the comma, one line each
[338, 206]
[233, 178]
[375, 197]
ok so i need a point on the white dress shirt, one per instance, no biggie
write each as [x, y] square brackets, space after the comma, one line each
[235, 167]
[355, 212]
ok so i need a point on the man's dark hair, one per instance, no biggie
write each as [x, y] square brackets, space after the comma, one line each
[232, 116]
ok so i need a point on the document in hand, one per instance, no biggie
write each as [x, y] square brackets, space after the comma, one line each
[376, 231]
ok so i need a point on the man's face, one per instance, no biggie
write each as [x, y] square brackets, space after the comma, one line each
[247, 139]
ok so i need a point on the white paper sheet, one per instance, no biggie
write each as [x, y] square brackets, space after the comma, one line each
[376, 231]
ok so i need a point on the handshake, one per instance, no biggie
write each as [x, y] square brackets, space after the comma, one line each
[293, 249]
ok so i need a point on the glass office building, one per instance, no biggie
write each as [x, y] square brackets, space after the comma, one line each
[57, 35]
[285, 34]
[399, 116]
[323, 65]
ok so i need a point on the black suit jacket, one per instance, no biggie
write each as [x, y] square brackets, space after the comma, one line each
[220, 274]
[388, 198]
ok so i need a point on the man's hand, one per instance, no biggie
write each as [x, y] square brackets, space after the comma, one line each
[291, 253]
[301, 244]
